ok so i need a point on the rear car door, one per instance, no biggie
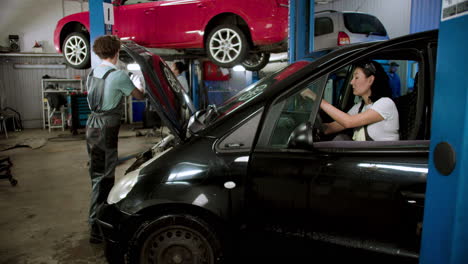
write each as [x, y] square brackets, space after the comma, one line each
[180, 23]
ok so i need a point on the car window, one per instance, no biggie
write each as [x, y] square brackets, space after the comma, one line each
[323, 25]
[256, 89]
[363, 24]
[403, 83]
[293, 111]
[132, 2]
[334, 91]
[242, 137]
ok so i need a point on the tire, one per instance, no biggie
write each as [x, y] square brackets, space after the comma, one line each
[76, 51]
[256, 61]
[177, 238]
[226, 46]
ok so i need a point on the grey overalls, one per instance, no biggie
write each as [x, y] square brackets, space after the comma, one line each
[102, 130]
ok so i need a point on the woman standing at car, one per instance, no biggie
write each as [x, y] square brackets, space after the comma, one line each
[178, 69]
[375, 117]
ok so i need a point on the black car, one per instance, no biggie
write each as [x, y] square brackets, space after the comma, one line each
[259, 162]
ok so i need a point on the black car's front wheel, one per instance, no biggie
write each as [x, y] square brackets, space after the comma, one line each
[226, 45]
[76, 50]
[175, 239]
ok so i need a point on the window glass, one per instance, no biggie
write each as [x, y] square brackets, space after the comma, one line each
[242, 137]
[132, 2]
[363, 24]
[323, 25]
[295, 109]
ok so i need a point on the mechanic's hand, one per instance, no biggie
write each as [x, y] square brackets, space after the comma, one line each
[136, 80]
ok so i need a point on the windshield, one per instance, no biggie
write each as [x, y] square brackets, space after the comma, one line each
[258, 88]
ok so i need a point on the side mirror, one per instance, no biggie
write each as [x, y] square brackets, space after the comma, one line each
[196, 122]
[302, 137]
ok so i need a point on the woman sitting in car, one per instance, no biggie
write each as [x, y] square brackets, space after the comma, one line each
[375, 117]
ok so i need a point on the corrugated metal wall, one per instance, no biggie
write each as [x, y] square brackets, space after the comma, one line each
[395, 14]
[425, 15]
[22, 87]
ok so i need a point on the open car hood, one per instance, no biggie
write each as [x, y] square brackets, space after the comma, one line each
[162, 87]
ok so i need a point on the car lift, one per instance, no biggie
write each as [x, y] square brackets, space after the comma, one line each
[445, 226]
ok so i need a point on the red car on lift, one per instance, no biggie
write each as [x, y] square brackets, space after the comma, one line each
[230, 32]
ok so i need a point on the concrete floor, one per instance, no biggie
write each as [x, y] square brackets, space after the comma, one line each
[44, 218]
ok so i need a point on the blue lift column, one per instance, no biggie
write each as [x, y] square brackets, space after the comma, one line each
[97, 26]
[445, 227]
[301, 29]
[194, 64]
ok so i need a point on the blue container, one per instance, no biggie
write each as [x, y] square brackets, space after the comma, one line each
[138, 109]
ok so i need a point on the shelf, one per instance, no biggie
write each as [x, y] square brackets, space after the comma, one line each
[62, 91]
[30, 54]
[77, 88]
[61, 80]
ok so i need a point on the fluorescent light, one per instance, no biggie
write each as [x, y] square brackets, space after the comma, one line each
[238, 68]
[133, 67]
[39, 66]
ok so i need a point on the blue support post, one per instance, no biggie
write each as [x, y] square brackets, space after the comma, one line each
[194, 82]
[96, 24]
[301, 29]
[424, 15]
[445, 227]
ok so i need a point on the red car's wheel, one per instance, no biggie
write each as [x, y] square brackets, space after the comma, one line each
[76, 51]
[256, 61]
[226, 46]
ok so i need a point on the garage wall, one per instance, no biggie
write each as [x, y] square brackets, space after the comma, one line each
[34, 20]
[21, 89]
[395, 14]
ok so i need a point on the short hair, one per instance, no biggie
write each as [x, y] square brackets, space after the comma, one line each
[106, 46]
[180, 66]
[380, 87]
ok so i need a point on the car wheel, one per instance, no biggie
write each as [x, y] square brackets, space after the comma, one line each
[76, 51]
[175, 239]
[226, 46]
[256, 61]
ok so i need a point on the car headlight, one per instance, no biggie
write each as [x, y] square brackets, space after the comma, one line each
[123, 187]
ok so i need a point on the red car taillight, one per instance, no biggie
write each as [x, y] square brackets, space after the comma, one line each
[283, 3]
[343, 38]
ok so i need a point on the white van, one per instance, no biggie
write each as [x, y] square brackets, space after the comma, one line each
[334, 28]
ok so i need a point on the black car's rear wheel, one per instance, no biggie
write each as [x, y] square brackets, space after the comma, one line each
[226, 45]
[76, 51]
[175, 239]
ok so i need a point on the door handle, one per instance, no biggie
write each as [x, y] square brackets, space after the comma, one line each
[149, 11]
[201, 5]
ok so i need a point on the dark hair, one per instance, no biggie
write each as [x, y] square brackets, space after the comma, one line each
[106, 46]
[380, 87]
[180, 66]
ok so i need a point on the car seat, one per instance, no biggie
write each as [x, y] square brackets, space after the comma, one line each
[407, 106]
